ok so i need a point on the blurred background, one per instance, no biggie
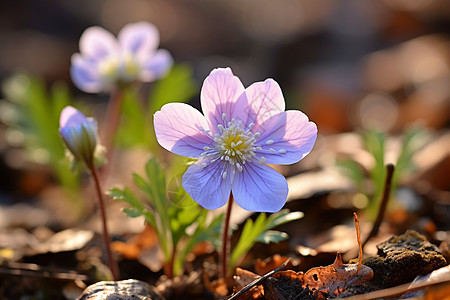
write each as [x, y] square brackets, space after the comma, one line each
[346, 63]
[350, 65]
[327, 55]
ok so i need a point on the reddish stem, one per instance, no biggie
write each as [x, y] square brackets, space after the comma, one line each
[169, 267]
[225, 238]
[111, 121]
[106, 238]
[384, 201]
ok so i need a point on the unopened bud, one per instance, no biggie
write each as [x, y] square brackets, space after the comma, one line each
[79, 134]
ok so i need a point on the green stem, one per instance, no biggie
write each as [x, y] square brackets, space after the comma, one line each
[106, 238]
[225, 238]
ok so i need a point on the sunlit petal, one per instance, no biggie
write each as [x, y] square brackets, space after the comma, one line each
[220, 91]
[206, 185]
[260, 188]
[157, 66]
[265, 100]
[96, 42]
[85, 75]
[140, 38]
[288, 137]
[180, 128]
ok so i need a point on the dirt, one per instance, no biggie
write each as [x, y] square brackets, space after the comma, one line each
[401, 258]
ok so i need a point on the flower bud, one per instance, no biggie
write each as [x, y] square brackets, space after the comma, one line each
[79, 134]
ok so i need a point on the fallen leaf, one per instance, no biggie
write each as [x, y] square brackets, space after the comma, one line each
[264, 266]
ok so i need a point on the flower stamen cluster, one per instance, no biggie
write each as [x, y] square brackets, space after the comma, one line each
[234, 145]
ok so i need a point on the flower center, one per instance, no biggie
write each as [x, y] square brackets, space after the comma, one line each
[235, 144]
[108, 68]
[130, 68]
[116, 67]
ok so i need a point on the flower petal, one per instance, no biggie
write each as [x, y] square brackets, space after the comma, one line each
[140, 38]
[260, 188]
[70, 116]
[84, 75]
[206, 186]
[220, 91]
[157, 66]
[180, 128]
[286, 138]
[265, 100]
[96, 43]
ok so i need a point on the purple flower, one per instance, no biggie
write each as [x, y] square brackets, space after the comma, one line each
[105, 62]
[79, 134]
[241, 130]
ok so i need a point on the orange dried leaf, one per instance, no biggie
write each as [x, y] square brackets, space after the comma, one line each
[264, 266]
[133, 248]
[242, 279]
[335, 278]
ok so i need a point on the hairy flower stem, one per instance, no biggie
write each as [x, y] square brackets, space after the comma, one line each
[225, 238]
[106, 238]
[111, 121]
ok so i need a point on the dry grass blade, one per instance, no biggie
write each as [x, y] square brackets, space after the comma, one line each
[358, 238]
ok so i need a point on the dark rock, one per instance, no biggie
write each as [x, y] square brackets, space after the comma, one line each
[401, 258]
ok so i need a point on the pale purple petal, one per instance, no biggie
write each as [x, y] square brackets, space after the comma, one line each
[206, 186]
[260, 188]
[180, 129]
[96, 43]
[220, 91]
[140, 38]
[70, 116]
[84, 75]
[287, 138]
[265, 100]
[157, 66]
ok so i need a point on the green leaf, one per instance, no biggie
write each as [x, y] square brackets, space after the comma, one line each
[414, 139]
[375, 143]
[35, 111]
[125, 195]
[132, 212]
[141, 183]
[282, 217]
[210, 232]
[272, 236]
[259, 230]
[354, 171]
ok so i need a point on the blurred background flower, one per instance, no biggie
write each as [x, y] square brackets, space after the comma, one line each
[106, 63]
[388, 57]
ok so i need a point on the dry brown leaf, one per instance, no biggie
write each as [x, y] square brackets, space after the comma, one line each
[264, 266]
[133, 248]
[335, 278]
[242, 279]
[332, 279]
